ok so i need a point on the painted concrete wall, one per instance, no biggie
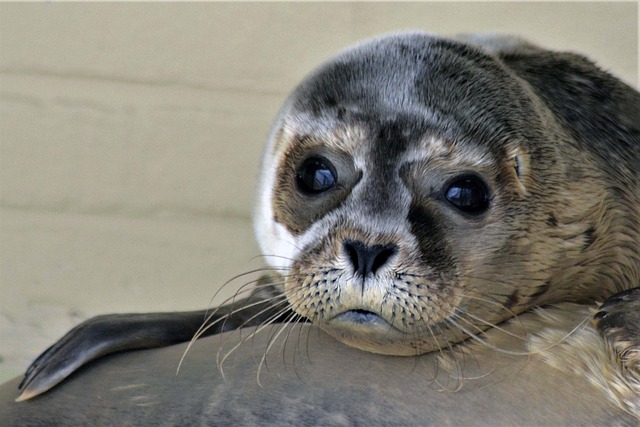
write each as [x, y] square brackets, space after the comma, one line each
[131, 135]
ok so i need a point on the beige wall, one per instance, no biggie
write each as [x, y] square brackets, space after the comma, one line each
[131, 135]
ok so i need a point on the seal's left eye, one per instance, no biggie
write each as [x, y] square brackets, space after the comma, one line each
[316, 175]
[469, 194]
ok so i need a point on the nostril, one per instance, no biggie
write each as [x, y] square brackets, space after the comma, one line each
[352, 253]
[365, 259]
[383, 256]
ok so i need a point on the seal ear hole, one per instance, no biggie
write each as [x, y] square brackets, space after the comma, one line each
[520, 163]
[315, 175]
[518, 166]
[468, 193]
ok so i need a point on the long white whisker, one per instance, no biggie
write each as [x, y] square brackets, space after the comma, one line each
[220, 362]
[269, 345]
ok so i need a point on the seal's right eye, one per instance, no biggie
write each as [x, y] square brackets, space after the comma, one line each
[315, 175]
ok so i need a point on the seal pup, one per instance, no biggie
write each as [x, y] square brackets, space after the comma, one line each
[417, 191]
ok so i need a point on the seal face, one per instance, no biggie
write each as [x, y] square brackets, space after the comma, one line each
[417, 191]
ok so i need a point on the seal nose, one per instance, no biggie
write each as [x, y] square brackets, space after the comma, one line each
[367, 259]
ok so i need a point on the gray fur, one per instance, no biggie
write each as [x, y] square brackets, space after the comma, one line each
[557, 141]
[500, 104]
[316, 381]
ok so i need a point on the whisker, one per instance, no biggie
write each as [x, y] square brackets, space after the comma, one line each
[272, 256]
[269, 345]
[497, 326]
[586, 320]
[482, 341]
[276, 300]
[265, 324]
[205, 326]
[459, 367]
[298, 320]
[293, 320]
[439, 350]
[271, 336]
[257, 285]
[237, 276]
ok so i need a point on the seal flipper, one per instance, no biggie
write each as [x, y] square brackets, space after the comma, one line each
[111, 333]
[618, 322]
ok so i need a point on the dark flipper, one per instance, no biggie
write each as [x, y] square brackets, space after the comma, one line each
[107, 334]
[618, 322]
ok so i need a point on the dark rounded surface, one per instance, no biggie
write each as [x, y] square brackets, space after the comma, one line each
[469, 194]
[312, 380]
[316, 175]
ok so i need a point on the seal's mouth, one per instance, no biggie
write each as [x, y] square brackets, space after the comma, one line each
[359, 317]
[367, 330]
[360, 321]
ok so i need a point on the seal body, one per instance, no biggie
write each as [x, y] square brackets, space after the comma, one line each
[315, 381]
[418, 190]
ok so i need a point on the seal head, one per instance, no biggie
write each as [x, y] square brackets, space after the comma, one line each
[417, 190]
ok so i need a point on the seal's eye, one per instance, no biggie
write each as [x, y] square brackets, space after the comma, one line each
[315, 175]
[469, 194]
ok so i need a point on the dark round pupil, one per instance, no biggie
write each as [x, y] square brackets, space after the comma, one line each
[469, 195]
[315, 176]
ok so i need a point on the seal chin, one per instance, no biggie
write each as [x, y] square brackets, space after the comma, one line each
[368, 331]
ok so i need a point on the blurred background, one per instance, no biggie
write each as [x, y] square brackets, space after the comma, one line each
[131, 136]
